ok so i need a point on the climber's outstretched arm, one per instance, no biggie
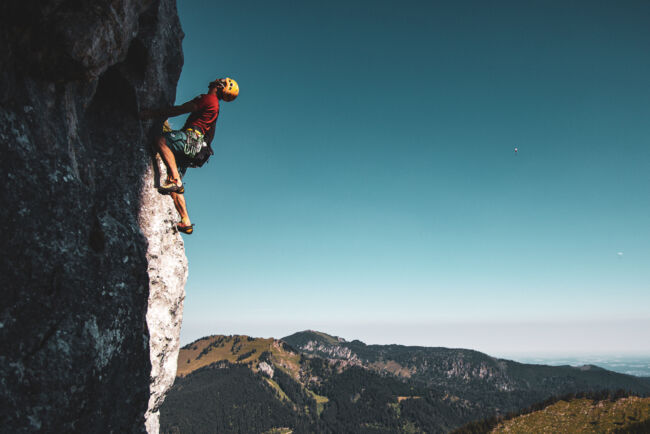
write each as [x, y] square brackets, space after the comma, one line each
[168, 112]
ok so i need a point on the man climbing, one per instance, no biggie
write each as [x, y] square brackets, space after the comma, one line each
[190, 146]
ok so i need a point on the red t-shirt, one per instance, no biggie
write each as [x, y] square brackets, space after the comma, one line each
[205, 116]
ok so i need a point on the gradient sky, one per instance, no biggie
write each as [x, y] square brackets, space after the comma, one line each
[365, 182]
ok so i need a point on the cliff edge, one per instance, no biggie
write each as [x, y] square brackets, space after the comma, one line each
[93, 272]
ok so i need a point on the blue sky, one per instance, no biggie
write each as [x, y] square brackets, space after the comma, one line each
[365, 181]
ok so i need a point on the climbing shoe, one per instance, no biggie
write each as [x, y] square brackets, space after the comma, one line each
[186, 229]
[169, 186]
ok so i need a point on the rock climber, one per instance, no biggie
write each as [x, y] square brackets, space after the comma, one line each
[190, 146]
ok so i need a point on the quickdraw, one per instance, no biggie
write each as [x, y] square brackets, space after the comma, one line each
[194, 142]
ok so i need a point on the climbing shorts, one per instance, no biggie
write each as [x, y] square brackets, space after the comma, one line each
[176, 141]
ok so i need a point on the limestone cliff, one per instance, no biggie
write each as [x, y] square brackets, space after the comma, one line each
[92, 271]
[167, 271]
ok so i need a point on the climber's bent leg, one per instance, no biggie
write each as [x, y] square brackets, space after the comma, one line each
[168, 158]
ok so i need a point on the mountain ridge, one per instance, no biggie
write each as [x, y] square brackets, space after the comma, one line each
[443, 366]
[322, 383]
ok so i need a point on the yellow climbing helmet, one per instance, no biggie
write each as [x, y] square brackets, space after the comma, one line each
[230, 89]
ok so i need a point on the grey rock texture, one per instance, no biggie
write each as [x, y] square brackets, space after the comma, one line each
[87, 246]
[167, 276]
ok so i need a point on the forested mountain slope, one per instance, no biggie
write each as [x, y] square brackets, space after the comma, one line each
[321, 383]
[461, 369]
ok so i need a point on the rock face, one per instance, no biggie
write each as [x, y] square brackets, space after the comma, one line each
[167, 276]
[92, 270]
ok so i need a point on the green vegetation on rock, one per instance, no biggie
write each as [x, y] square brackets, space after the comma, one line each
[581, 416]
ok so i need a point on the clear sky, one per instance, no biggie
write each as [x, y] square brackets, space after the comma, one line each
[365, 182]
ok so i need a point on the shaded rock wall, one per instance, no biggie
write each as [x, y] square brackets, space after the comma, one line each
[85, 241]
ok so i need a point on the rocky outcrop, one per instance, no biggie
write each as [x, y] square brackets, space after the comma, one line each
[266, 368]
[167, 275]
[92, 271]
[334, 353]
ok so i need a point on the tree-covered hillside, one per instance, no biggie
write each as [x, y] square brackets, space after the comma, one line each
[320, 383]
[228, 398]
[223, 398]
[465, 371]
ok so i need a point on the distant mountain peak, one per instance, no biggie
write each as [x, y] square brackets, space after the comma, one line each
[314, 335]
